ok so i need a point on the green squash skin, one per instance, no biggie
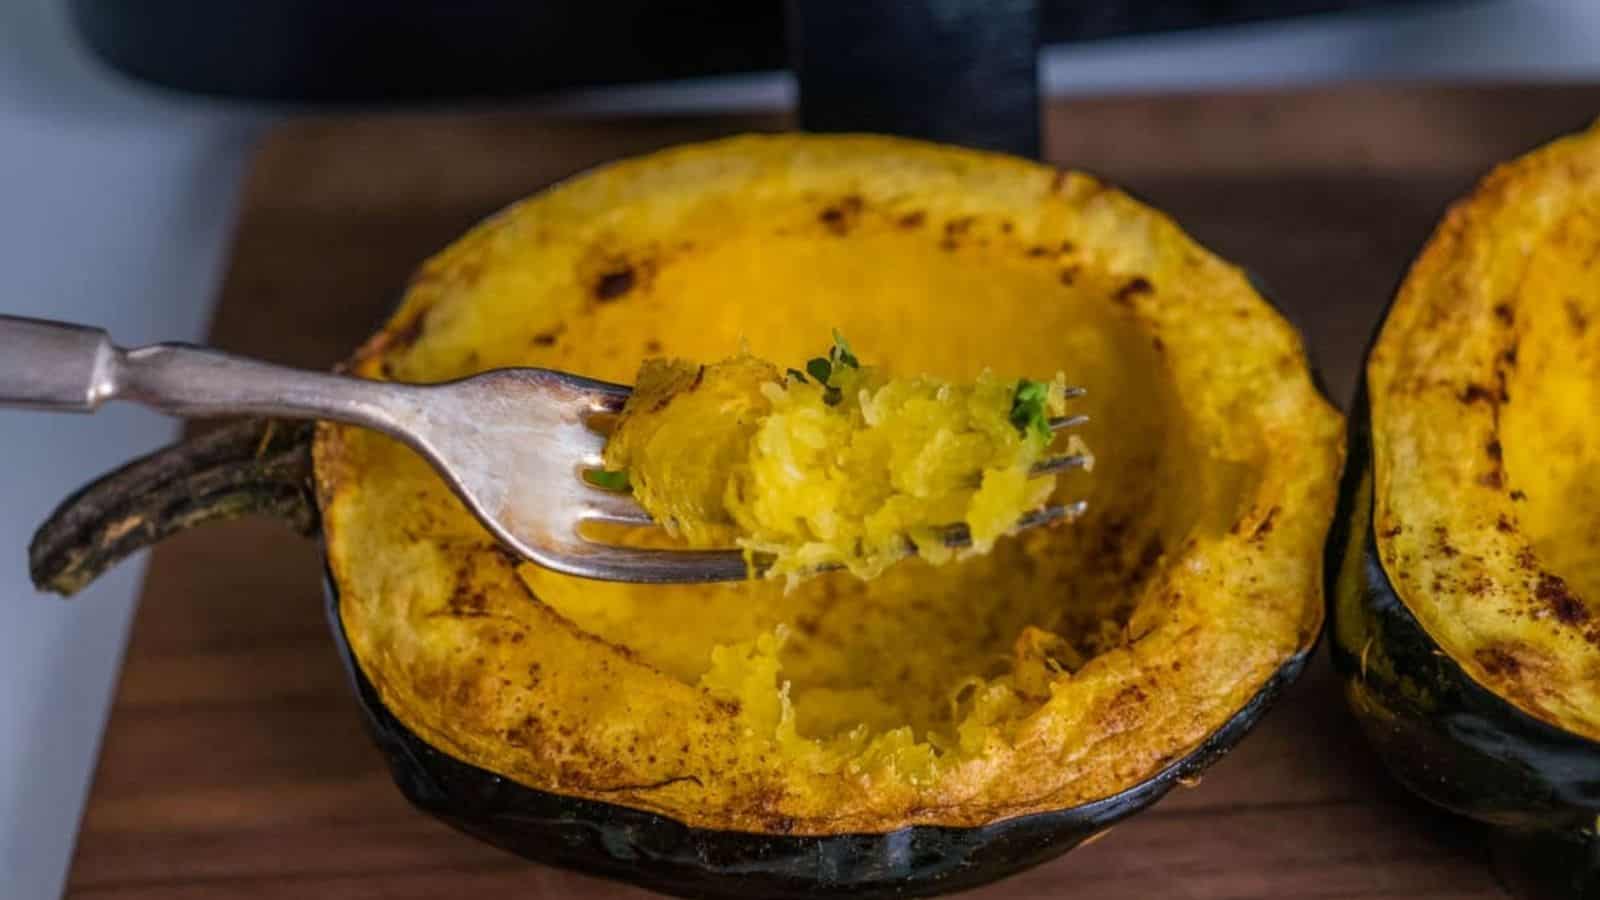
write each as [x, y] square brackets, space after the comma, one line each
[1440, 733]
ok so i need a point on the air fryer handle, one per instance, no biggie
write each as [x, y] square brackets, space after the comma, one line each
[958, 71]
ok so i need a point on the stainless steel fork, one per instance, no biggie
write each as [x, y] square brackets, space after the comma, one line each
[512, 443]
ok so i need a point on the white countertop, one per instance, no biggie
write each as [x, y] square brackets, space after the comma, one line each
[117, 209]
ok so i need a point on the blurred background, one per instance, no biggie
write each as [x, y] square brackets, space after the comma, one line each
[125, 128]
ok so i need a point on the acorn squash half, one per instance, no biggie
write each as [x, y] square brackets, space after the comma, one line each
[1467, 604]
[934, 728]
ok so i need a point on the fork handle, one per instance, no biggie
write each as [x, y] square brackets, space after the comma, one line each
[55, 366]
[75, 368]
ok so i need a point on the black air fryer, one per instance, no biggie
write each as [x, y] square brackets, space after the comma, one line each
[962, 71]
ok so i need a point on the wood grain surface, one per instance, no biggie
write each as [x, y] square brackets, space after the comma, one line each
[235, 764]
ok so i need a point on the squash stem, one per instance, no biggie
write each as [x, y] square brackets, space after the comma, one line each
[254, 467]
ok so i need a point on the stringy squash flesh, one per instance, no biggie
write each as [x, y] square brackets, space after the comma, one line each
[839, 468]
[1064, 666]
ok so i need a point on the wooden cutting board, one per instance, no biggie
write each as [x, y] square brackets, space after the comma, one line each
[235, 764]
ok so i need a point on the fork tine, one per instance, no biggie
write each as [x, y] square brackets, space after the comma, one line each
[611, 563]
[602, 505]
[959, 536]
[1053, 464]
[1057, 423]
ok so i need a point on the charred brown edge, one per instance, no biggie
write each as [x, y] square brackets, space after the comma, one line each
[254, 467]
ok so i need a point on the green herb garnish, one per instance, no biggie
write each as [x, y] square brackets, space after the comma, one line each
[611, 481]
[841, 352]
[1028, 409]
[823, 368]
[798, 375]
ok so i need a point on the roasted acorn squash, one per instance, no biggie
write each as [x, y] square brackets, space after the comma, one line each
[934, 728]
[1060, 671]
[1465, 615]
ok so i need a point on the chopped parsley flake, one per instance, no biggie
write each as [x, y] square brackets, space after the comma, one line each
[1028, 409]
[611, 481]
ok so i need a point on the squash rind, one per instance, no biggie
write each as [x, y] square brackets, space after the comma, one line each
[662, 854]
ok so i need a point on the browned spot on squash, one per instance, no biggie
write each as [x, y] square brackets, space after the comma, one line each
[1477, 393]
[613, 284]
[1502, 311]
[652, 346]
[1498, 661]
[1037, 251]
[1133, 288]
[1492, 479]
[467, 603]
[1576, 317]
[1518, 496]
[1069, 275]
[1553, 592]
[1264, 528]
[645, 786]
[409, 333]
[1442, 544]
[548, 338]
[1149, 555]
[840, 217]
[913, 219]
[1494, 450]
[1504, 525]
[1068, 246]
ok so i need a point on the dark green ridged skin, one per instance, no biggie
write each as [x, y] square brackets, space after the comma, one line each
[1443, 735]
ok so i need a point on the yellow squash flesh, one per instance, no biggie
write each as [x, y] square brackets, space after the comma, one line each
[809, 475]
[1485, 387]
[1060, 668]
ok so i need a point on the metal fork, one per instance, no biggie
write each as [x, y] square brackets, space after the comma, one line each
[512, 443]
